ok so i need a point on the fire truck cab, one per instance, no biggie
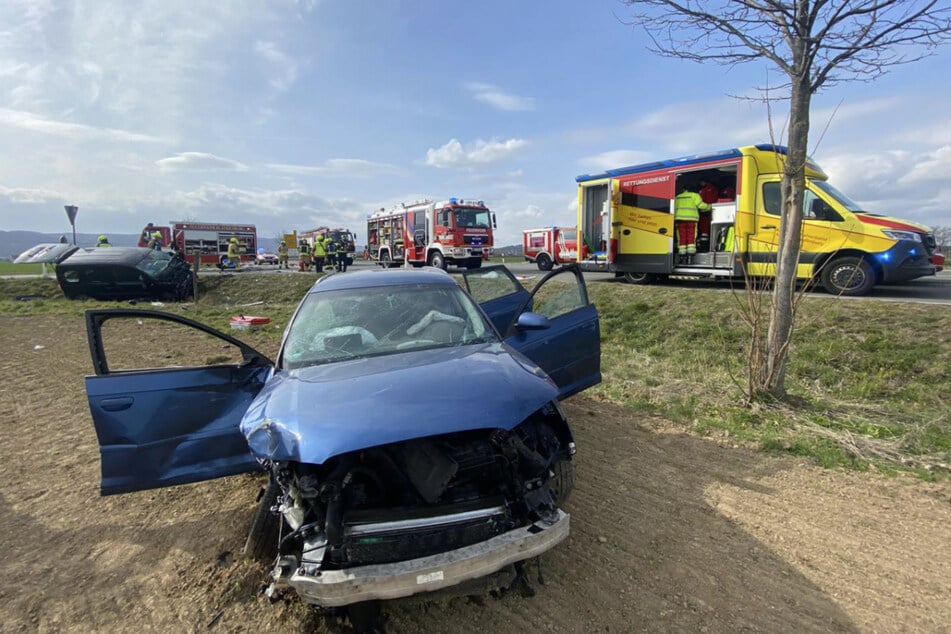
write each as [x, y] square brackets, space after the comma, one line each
[342, 237]
[626, 221]
[549, 246]
[454, 232]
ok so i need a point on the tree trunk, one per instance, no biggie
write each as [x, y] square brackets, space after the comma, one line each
[782, 311]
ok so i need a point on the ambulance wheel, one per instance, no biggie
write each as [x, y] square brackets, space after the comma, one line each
[436, 260]
[638, 278]
[848, 276]
[544, 262]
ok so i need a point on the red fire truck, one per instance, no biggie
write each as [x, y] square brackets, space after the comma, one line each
[344, 239]
[452, 232]
[550, 245]
[209, 240]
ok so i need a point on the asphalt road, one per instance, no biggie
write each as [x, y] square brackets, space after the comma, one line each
[936, 289]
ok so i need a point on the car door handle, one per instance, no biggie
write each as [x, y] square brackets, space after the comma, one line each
[768, 227]
[116, 404]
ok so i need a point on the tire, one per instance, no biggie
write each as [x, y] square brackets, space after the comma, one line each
[638, 278]
[437, 260]
[385, 260]
[543, 261]
[848, 276]
[265, 530]
[563, 481]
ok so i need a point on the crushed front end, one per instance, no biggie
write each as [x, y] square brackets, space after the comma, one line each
[424, 514]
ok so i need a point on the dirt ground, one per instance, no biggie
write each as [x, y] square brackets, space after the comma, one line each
[670, 532]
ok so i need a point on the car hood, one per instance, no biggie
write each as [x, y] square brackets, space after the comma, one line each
[46, 253]
[312, 414]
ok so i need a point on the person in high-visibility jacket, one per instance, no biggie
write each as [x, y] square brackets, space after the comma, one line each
[320, 252]
[103, 241]
[687, 208]
[282, 255]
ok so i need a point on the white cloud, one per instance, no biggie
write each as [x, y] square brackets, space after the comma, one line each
[72, 131]
[453, 154]
[285, 67]
[493, 96]
[340, 167]
[29, 196]
[614, 159]
[198, 161]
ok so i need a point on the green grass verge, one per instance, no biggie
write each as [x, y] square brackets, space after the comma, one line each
[9, 268]
[871, 380]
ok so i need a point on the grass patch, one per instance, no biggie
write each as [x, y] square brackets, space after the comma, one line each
[9, 268]
[870, 380]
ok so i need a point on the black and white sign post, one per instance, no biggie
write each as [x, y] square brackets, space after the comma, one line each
[71, 211]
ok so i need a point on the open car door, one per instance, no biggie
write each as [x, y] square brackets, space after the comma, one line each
[167, 398]
[555, 325]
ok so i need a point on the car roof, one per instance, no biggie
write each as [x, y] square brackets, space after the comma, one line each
[108, 255]
[381, 277]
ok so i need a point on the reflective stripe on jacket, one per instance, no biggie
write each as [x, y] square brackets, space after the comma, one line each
[687, 206]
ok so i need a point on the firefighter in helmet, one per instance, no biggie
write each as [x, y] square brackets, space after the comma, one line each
[103, 241]
[155, 241]
[320, 252]
[331, 246]
[282, 255]
[303, 259]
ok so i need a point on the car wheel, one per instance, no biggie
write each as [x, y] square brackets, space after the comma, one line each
[261, 544]
[848, 276]
[436, 260]
[638, 278]
[563, 481]
[544, 262]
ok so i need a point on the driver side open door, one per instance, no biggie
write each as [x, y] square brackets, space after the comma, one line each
[168, 399]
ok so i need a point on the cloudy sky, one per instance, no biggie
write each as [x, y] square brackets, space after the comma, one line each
[292, 114]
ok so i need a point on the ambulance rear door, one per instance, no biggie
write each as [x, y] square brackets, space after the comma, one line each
[644, 224]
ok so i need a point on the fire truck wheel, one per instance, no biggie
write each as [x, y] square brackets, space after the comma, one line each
[544, 262]
[848, 276]
[385, 259]
[638, 278]
[436, 260]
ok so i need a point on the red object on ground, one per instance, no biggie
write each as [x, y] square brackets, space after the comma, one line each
[243, 322]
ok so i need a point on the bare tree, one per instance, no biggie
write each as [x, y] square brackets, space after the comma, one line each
[942, 238]
[813, 44]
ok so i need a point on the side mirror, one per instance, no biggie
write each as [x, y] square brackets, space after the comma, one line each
[494, 225]
[532, 321]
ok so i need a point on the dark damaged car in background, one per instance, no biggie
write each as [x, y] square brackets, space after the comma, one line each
[411, 430]
[114, 273]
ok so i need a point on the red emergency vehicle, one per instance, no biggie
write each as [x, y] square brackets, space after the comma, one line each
[209, 240]
[344, 238]
[550, 245]
[453, 232]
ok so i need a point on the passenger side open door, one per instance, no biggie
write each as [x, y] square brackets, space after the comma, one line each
[555, 325]
[167, 401]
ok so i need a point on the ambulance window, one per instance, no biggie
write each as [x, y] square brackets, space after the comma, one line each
[772, 198]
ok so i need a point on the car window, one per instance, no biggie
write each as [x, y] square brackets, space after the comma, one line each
[154, 262]
[488, 284]
[559, 295]
[134, 343]
[348, 324]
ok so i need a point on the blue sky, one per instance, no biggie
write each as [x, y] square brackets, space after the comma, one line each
[293, 114]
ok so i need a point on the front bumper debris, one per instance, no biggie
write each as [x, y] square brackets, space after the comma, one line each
[334, 588]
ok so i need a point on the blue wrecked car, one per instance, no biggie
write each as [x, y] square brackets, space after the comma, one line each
[411, 429]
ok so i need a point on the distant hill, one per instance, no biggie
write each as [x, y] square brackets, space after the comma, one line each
[13, 243]
[514, 249]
